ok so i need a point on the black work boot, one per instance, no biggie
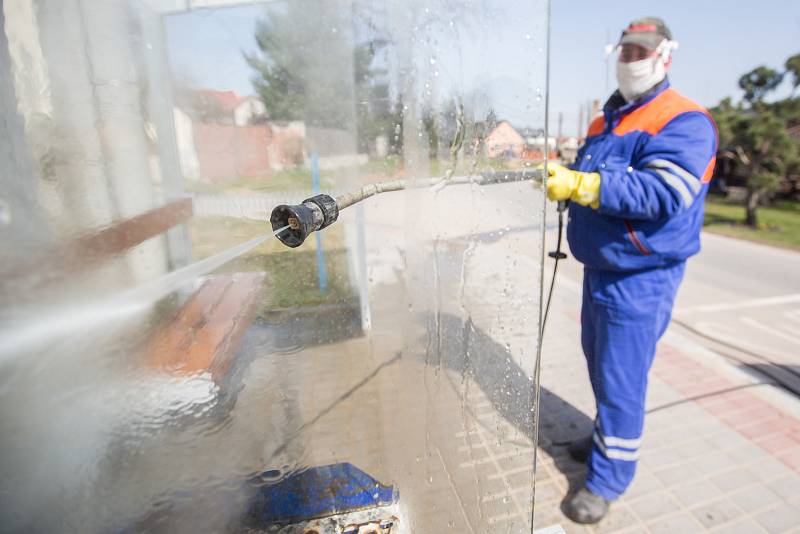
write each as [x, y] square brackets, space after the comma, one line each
[581, 449]
[585, 507]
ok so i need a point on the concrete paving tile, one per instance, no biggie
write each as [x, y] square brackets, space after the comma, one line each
[746, 453]
[709, 464]
[716, 513]
[740, 526]
[694, 493]
[619, 517]
[734, 479]
[547, 492]
[787, 487]
[491, 485]
[782, 518]
[777, 443]
[755, 498]
[678, 474]
[791, 457]
[499, 508]
[516, 462]
[644, 483]
[692, 448]
[549, 515]
[726, 439]
[661, 457]
[653, 505]
[683, 522]
[769, 469]
[517, 480]
[636, 529]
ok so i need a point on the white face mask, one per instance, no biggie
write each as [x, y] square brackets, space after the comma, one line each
[638, 77]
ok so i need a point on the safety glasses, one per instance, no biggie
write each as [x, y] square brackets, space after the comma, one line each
[629, 52]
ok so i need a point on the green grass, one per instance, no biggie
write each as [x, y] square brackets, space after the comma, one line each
[284, 180]
[297, 178]
[292, 280]
[779, 225]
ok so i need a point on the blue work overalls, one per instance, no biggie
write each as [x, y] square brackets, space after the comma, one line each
[655, 157]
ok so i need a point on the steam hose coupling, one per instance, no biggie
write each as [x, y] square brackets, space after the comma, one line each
[311, 215]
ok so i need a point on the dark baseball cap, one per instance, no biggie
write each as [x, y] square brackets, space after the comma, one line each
[647, 32]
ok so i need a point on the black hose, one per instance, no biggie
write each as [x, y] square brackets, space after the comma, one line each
[557, 254]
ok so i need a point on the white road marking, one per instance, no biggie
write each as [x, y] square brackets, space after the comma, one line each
[774, 331]
[752, 303]
[794, 315]
[729, 334]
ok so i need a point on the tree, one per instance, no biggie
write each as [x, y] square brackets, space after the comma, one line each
[305, 49]
[396, 122]
[759, 141]
[301, 65]
[756, 137]
[757, 83]
[429, 123]
[374, 116]
[793, 69]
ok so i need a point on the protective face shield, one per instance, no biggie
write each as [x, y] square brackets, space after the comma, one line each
[637, 77]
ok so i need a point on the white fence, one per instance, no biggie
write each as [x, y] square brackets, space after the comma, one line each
[256, 206]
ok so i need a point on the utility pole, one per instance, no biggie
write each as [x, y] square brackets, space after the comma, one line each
[560, 130]
[607, 52]
[580, 121]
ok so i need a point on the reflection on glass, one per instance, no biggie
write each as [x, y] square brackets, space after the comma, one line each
[168, 365]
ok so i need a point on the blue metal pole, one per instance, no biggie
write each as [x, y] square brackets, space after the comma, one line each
[322, 271]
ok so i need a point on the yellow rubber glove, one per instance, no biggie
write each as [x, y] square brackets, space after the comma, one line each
[566, 184]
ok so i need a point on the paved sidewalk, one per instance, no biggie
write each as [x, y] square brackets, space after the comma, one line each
[721, 450]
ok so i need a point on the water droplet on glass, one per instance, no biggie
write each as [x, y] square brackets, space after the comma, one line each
[5, 213]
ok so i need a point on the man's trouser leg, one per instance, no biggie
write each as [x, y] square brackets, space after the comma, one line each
[623, 316]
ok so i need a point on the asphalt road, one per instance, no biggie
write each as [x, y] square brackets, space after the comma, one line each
[741, 300]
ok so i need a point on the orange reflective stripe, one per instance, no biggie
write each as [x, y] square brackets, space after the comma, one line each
[657, 113]
[709, 172]
[597, 126]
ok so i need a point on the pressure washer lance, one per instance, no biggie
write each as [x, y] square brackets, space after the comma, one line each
[321, 211]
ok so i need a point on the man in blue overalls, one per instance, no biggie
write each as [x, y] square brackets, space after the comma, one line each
[636, 189]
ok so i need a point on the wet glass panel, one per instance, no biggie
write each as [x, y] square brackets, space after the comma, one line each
[270, 265]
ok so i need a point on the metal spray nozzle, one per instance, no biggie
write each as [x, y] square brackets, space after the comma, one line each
[311, 215]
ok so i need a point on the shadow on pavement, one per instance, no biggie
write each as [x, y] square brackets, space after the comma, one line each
[782, 375]
[471, 352]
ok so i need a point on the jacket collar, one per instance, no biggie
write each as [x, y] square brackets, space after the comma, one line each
[616, 105]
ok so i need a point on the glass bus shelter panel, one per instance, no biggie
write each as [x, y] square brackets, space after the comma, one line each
[179, 355]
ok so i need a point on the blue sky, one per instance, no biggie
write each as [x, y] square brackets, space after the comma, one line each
[716, 47]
